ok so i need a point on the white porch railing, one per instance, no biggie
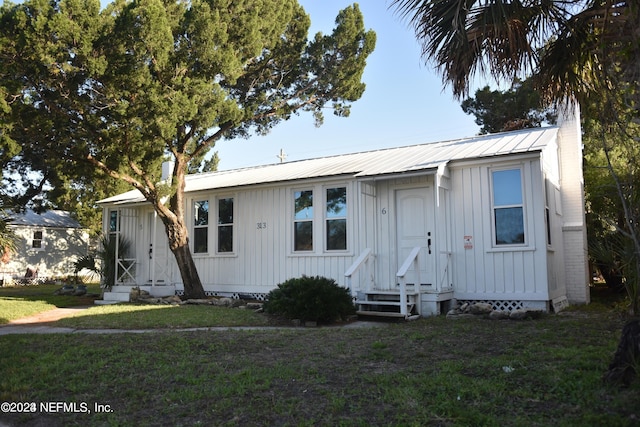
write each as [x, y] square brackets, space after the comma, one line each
[355, 267]
[411, 260]
[126, 270]
[444, 273]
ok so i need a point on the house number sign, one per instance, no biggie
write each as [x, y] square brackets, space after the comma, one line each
[261, 225]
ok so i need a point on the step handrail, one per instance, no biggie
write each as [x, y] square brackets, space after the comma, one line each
[359, 262]
[402, 281]
[413, 256]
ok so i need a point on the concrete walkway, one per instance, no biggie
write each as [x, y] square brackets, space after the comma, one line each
[41, 323]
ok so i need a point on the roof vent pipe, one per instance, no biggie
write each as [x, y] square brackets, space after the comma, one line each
[167, 170]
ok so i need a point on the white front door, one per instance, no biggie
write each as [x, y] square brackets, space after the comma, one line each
[415, 227]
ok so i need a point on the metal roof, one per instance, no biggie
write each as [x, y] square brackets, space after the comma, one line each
[47, 219]
[381, 162]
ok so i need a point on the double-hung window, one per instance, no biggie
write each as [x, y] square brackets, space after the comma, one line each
[508, 207]
[336, 219]
[201, 226]
[327, 224]
[225, 225]
[303, 220]
[37, 242]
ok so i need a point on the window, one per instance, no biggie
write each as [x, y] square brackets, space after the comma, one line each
[336, 219]
[114, 222]
[37, 241]
[201, 226]
[303, 221]
[225, 225]
[508, 207]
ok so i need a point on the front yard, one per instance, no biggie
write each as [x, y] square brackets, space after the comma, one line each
[433, 371]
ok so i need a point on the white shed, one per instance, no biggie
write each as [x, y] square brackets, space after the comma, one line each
[496, 218]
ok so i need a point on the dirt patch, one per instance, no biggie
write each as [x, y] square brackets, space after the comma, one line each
[48, 316]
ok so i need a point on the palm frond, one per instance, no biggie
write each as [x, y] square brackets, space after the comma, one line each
[565, 43]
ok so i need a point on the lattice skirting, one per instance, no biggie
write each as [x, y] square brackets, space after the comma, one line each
[510, 305]
[233, 295]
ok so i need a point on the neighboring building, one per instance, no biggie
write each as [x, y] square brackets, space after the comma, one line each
[48, 244]
[497, 218]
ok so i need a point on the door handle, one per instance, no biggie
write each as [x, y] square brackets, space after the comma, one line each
[429, 245]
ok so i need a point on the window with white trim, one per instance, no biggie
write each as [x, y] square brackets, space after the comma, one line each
[114, 223]
[508, 207]
[37, 242]
[225, 225]
[201, 226]
[336, 219]
[303, 220]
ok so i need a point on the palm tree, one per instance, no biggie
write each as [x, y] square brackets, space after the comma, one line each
[570, 47]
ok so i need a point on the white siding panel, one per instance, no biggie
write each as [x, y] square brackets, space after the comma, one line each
[263, 255]
[386, 234]
[508, 273]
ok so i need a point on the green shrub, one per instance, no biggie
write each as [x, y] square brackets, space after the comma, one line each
[310, 299]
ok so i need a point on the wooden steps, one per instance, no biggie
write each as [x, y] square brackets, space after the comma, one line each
[387, 304]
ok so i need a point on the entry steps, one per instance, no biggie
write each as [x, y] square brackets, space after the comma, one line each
[380, 303]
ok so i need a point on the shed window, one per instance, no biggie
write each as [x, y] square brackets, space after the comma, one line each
[508, 207]
[303, 221]
[225, 225]
[114, 222]
[336, 219]
[201, 226]
[37, 241]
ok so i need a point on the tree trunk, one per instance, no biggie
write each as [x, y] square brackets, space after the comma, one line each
[190, 278]
[623, 367]
[179, 244]
[178, 232]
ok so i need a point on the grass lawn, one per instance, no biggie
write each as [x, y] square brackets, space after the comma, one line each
[431, 372]
[23, 301]
[135, 316]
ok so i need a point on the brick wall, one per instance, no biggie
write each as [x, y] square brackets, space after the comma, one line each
[574, 226]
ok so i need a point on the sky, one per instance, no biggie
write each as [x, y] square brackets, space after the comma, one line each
[404, 103]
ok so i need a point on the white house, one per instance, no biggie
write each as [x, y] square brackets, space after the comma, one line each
[496, 218]
[47, 245]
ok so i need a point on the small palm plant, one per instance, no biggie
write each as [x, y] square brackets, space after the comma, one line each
[103, 262]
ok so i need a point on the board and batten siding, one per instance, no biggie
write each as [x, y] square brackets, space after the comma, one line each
[383, 239]
[263, 253]
[482, 270]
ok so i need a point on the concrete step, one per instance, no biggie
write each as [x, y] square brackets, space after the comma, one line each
[121, 288]
[103, 302]
[116, 297]
[387, 314]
